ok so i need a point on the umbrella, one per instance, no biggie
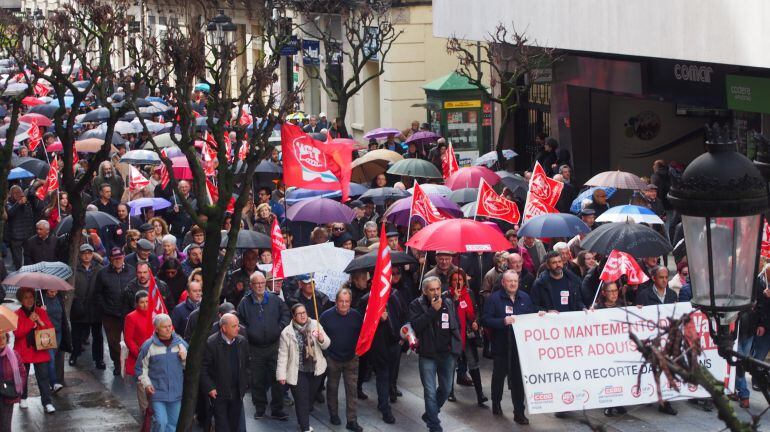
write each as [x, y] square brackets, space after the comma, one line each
[587, 194]
[47, 110]
[162, 141]
[35, 166]
[58, 269]
[14, 89]
[296, 195]
[156, 203]
[101, 133]
[154, 110]
[398, 213]
[68, 101]
[372, 164]
[82, 83]
[124, 127]
[489, 159]
[423, 135]
[96, 116]
[432, 189]
[141, 157]
[152, 127]
[249, 240]
[320, 211]
[638, 240]
[381, 133]
[22, 132]
[181, 168]
[464, 196]
[296, 116]
[94, 220]
[680, 251]
[8, 320]
[92, 145]
[415, 168]
[623, 213]
[469, 210]
[19, 173]
[380, 195]
[267, 171]
[368, 261]
[39, 118]
[204, 87]
[31, 101]
[617, 179]
[39, 281]
[459, 235]
[470, 177]
[553, 225]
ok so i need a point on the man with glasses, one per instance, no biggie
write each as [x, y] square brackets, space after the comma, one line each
[264, 315]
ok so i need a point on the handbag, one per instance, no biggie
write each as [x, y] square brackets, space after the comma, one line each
[7, 387]
[45, 339]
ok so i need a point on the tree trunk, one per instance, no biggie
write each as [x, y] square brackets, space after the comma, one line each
[342, 111]
[501, 162]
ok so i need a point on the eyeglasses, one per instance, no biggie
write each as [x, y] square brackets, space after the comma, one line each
[338, 229]
[300, 313]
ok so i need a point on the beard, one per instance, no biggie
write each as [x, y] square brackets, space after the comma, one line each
[557, 273]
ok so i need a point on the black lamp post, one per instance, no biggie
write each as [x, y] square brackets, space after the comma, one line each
[221, 29]
[722, 197]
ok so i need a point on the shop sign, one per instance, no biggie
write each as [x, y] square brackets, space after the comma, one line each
[746, 93]
[688, 82]
[311, 52]
[291, 47]
[372, 43]
[462, 104]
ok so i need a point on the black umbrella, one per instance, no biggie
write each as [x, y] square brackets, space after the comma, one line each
[514, 181]
[94, 220]
[638, 240]
[464, 195]
[368, 261]
[267, 171]
[35, 166]
[680, 251]
[249, 240]
[45, 109]
[96, 116]
[382, 194]
[414, 168]
[101, 133]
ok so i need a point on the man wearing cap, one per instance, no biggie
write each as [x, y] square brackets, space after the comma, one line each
[360, 219]
[265, 316]
[305, 296]
[323, 122]
[588, 216]
[393, 242]
[653, 202]
[148, 233]
[444, 266]
[85, 315]
[144, 254]
[110, 293]
[238, 282]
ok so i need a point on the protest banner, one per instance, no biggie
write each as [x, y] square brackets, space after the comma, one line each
[576, 360]
[330, 281]
[324, 258]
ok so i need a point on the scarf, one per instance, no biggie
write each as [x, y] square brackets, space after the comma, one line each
[303, 331]
[8, 353]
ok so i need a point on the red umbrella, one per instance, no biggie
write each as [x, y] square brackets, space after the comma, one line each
[32, 101]
[55, 147]
[39, 118]
[182, 169]
[459, 235]
[469, 177]
[39, 281]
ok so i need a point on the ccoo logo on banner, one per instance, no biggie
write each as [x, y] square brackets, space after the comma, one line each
[576, 360]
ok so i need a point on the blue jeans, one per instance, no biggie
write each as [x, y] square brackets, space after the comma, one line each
[165, 415]
[761, 346]
[430, 369]
[741, 387]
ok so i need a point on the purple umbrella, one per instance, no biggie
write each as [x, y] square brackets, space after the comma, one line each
[138, 204]
[398, 212]
[320, 211]
[381, 133]
[423, 135]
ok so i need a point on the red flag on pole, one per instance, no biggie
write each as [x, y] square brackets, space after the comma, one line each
[619, 264]
[214, 196]
[543, 193]
[278, 245]
[423, 208]
[136, 180]
[378, 297]
[35, 138]
[490, 204]
[41, 90]
[449, 162]
[164, 177]
[156, 305]
[51, 183]
[311, 164]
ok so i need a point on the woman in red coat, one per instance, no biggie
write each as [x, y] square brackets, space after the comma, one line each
[466, 316]
[137, 329]
[32, 318]
[11, 370]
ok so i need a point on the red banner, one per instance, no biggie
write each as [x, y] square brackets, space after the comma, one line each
[765, 249]
[378, 297]
[311, 164]
[423, 208]
[136, 180]
[35, 138]
[619, 264]
[51, 182]
[278, 246]
[156, 305]
[490, 204]
[41, 90]
[449, 162]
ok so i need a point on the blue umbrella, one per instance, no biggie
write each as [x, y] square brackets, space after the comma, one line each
[625, 212]
[588, 193]
[156, 203]
[68, 101]
[155, 99]
[20, 173]
[203, 87]
[296, 195]
[553, 225]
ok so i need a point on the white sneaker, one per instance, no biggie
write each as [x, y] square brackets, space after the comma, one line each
[49, 409]
[23, 404]
[57, 387]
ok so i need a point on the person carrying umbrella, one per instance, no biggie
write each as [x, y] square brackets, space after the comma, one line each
[31, 319]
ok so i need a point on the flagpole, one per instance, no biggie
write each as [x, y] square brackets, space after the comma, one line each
[478, 195]
[598, 288]
[409, 222]
[315, 305]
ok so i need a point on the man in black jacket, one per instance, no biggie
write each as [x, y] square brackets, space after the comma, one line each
[85, 316]
[110, 292]
[224, 373]
[434, 320]
[557, 289]
[144, 253]
[42, 246]
[21, 222]
[265, 316]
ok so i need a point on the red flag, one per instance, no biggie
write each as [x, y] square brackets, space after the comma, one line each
[311, 164]
[490, 204]
[423, 208]
[449, 162]
[214, 196]
[161, 120]
[278, 245]
[765, 249]
[536, 207]
[41, 90]
[544, 188]
[156, 304]
[619, 264]
[164, 177]
[243, 151]
[51, 183]
[245, 119]
[136, 180]
[35, 138]
[378, 297]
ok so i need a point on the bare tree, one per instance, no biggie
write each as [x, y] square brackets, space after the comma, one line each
[513, 62]
[367, 34]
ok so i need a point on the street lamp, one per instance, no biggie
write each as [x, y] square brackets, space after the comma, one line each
[37, 21]
[221, 29]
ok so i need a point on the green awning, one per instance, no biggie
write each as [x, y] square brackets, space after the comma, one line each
[451, 82]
